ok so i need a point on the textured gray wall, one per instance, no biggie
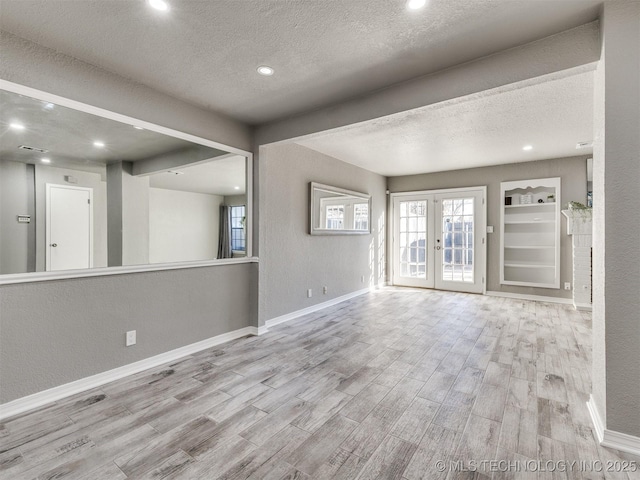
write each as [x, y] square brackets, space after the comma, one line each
[617, 220]
[291, 259]
[60, 331]
[16, 198]
[572, 171]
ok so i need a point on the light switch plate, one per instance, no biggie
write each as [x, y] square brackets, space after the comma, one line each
[131, 338]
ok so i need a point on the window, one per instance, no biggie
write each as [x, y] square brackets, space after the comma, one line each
[335, 217]
[238, 240]
[361, 216]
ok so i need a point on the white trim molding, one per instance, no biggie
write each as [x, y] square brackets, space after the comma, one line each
[39, 399]
[610, 438]
[314, 308]
[105, 271]
[536, 298]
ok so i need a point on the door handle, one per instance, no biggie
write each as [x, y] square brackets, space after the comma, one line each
[54, 245]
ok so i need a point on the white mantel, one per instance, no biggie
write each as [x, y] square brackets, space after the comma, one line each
[580, 227]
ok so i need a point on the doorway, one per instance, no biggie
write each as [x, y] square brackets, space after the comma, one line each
[439, 239]
[69, 227]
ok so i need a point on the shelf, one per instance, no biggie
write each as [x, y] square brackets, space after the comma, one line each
[537, 205]
[527, 265]
[529, 222]
[529, 247]
[530, 233]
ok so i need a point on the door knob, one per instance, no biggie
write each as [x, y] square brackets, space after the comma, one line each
[54, 244]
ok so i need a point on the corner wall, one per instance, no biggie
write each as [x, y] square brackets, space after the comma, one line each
[616, 317]
[572, 171]
[292, 260]
[56, 332]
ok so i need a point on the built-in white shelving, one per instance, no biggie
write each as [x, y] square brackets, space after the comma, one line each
[530, 233]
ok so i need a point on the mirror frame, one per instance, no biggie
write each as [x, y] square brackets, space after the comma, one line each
[312, 214]
[29, 277]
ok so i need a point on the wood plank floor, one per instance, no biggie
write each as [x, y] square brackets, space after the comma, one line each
[382, 386]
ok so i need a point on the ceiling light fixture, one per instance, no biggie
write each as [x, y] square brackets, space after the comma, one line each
[159, 5]
[416, 4]
[138, 128]
[16, 126]
[49, 106]
[526, 148]
[265, 70]
[45, 160]
[98, 144]
[236, 188]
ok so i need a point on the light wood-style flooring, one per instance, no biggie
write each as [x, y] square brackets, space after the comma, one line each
[382, 386]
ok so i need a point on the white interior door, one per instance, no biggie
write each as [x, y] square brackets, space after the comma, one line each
[439, 240]
[69, 227]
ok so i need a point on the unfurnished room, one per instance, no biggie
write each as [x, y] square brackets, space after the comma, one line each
[320, 239]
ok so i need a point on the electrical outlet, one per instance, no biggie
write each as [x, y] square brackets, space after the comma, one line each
[131, 338]
[567, 286]
[489, 228]
[324, 290]
[309, 293]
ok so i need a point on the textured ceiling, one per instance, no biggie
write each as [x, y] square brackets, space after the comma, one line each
[68, 135]
[206, 52]
[218, 177]
[477, 131]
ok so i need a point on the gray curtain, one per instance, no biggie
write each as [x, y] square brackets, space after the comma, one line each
[224, 242]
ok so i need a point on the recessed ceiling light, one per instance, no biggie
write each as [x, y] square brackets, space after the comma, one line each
[49, 106]
[416, 4]
[16, 126]
[138, 128]
[526, 148]
[45, 160]
[236, 188]
[98, 144]
[265, 70]
[159, 5]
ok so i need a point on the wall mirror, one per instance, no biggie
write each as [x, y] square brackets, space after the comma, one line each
[336, 211]
[80, 191]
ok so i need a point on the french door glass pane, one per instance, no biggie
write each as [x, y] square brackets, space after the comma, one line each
[413, 239]
[457, 234]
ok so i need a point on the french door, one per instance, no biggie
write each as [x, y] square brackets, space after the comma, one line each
[439, 239]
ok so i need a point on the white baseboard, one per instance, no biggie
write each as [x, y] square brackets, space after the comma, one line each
[537, 298]
[314, 308]
[259, 330]
[585, 307]
[598, 425]
[39, 399]
[622, 442]
[610, 438]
